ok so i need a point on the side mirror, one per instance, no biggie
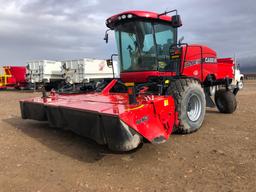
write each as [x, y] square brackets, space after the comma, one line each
[180, 40]
[109, 63]
[176, 21]
[106, 36]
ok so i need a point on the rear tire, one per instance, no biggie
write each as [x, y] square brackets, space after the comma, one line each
[190, 104]
[225, 101]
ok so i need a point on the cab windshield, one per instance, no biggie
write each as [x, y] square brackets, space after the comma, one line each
[144, 46]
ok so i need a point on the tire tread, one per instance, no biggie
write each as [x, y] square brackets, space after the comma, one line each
[177, 89]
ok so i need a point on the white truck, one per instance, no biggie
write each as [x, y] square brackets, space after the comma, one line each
[87, 70]
[44, 72]
[239, 77]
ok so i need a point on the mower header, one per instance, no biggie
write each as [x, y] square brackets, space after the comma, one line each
[106, 117]
[174, 20]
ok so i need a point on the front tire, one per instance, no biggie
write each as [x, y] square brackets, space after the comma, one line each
[190, 104]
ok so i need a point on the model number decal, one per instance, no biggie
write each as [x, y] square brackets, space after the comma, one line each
[143, 119]
[212, 60]
[192, 62]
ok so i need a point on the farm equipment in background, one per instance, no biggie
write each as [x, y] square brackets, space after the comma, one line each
[164, 87]
[85, 74]
[19, 77]
[13, 77]
[4, 78]
[44, 73]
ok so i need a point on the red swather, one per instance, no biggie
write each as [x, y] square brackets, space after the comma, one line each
[165, 86]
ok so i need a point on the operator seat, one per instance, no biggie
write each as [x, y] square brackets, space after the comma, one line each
[166, 47]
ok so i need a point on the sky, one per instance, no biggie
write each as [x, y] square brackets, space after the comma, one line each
[64, 29]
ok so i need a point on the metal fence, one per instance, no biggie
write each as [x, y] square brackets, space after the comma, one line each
[250, 76]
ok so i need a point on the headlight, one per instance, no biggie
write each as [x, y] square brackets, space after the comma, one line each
[129, 16]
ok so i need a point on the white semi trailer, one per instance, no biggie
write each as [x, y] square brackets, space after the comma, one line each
[69, 75]
[87, 70]
[44, 72]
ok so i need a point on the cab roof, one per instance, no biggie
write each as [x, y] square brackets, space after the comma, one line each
[112, 21]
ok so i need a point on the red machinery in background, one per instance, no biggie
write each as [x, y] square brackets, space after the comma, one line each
[13, 77]
[4, 78]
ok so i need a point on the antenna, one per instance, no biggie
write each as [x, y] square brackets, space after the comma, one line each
[167, 12]
[235, 59]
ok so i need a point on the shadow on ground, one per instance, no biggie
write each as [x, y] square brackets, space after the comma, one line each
[61, 141]
[20, 90]
[212, 111]
[75, 146]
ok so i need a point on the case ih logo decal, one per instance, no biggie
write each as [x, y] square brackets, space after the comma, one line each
[101, 65]
[210, 60]
[199, 61]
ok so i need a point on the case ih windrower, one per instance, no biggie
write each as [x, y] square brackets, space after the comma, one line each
[164, 87]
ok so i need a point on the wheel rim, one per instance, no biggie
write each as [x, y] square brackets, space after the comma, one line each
[194, 108]
[240, 85]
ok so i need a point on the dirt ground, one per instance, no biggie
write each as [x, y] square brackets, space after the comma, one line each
[221, 156]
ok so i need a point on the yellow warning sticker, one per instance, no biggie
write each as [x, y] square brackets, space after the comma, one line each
[135, 108]
[166, 103]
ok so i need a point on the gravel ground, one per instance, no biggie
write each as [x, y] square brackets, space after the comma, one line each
[221, 156]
